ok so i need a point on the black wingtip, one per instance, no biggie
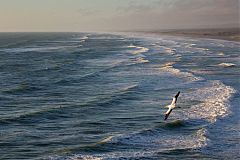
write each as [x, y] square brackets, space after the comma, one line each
[177, 94]
[165, 117]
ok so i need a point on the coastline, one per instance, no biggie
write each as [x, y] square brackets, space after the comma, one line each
[229, 34]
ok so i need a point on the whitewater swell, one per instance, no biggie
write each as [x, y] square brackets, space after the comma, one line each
[138, 53]
[156, 140]
[168, 67]
[212, 99]
[151, 141]
[138, 49]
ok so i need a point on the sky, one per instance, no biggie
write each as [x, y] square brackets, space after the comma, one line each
[116, 15]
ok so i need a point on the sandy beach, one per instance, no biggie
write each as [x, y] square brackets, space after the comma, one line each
[230, 34]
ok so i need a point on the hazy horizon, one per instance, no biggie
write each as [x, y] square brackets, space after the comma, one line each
[113, 15]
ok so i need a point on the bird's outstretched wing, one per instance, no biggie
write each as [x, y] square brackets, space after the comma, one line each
[177, 94]
[175, 98]
[167, 113]
[171, 106]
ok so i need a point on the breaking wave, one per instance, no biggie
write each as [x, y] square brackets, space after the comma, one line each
[138, 50]
[152, 142]
[214, 101]
[168, 67]
[34, 49]
[226, 64]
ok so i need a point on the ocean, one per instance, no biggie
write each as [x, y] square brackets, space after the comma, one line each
[85, 96]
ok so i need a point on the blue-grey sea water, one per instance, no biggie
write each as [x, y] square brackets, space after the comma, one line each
[99, 96]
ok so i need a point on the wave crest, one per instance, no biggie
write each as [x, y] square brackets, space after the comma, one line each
[138, 50]
[226, 64]
[168, 67]
[214, 100]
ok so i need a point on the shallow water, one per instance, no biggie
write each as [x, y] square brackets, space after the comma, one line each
[102, 96]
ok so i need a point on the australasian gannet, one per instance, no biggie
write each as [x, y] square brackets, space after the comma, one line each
[171, 106]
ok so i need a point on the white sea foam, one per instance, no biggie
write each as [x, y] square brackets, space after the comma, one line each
[214, 101]
[81, 41]
[201, 71]
[129, 87]
[202, 49]
[169, 51]
[190, 45]
[226, 64]
[105, 140]
[138, 50]
[81, 38]
[151, 141]
[168, 67]
[33, 49]
[59, 41]
[193, 48]
[155, 140]
[77, 157]
[84, 37]
[104, 62]
[220, 54]
[141, 60]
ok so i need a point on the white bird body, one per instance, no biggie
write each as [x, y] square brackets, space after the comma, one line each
[171, 106]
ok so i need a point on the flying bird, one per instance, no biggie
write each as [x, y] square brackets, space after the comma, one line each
[171, 106]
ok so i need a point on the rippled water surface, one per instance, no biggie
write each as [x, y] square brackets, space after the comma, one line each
[102, 96]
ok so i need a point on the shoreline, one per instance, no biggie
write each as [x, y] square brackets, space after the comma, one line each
[229, 34]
